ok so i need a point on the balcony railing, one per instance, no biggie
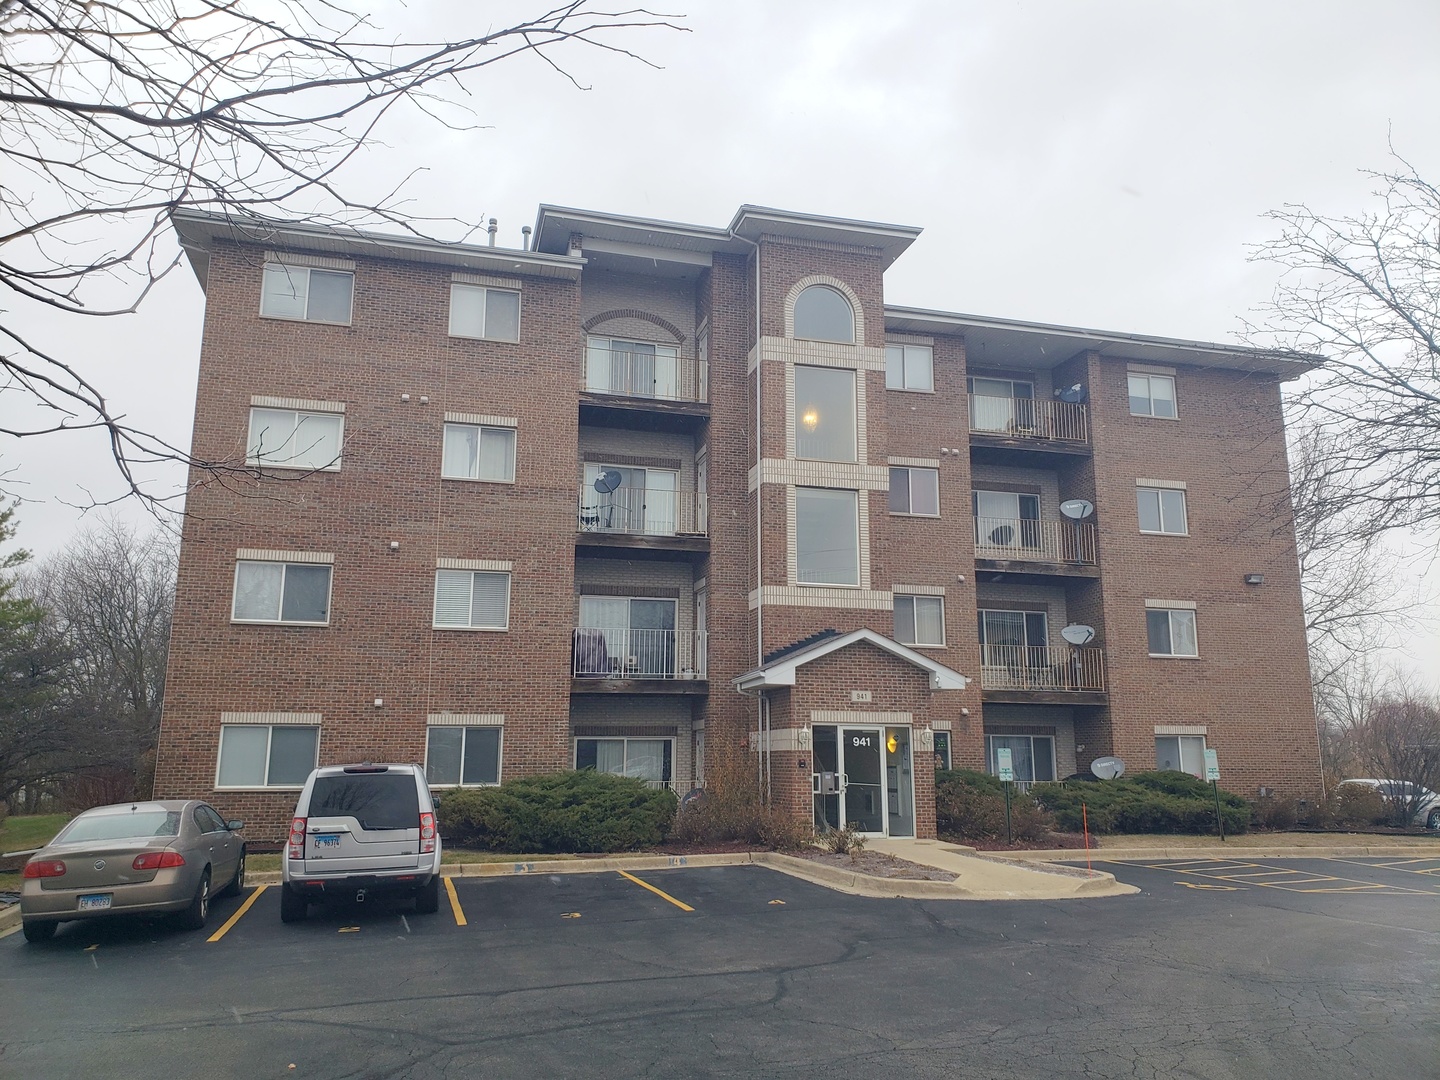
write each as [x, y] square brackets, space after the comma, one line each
[1035, 541]
[623, 653]
[1042, 667]
[1029, 418]
[642, 511]
[646, 375]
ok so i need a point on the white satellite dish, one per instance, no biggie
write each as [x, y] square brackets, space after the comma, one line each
[1107, 768]
[1077, 509]
[1078, 634]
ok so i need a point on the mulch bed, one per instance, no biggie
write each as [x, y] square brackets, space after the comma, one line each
[1045, 843]
[876, 864]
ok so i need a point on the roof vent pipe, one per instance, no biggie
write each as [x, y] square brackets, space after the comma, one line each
[525, 233]
[494, 228]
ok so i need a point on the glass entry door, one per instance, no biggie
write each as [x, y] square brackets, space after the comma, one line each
[849, 782]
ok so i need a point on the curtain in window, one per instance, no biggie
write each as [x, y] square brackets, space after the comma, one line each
[242, 755]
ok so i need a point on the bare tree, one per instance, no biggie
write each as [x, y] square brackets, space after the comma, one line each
[1400, 741]
[115, 115]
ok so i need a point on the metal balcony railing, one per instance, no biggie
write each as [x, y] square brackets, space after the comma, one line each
[642, 511]
[1029, 418]
[1042, 667]
[623, 653]
[1035, 541]
[638, 374]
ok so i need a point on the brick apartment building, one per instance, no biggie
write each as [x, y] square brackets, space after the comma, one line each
[656, 498]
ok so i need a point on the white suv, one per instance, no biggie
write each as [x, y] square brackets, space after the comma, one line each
[361, 831]
[1426, 801]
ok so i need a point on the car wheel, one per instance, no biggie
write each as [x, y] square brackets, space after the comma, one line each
[293, 906]
[427, 897]
[237, 883]
[39, 931]
[1433, 821]
[194, 916]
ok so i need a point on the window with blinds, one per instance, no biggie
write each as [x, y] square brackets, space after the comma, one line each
[472, 600]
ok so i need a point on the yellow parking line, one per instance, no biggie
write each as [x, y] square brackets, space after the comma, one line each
[455, 903]
[249, 900]
[657, 892]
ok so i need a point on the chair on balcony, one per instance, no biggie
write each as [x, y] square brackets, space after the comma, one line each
[592, 654]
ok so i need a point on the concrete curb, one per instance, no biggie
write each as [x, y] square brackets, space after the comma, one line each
[1222, 851]
[9, 918]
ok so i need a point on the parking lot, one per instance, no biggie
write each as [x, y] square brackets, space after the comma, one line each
[1218, 968]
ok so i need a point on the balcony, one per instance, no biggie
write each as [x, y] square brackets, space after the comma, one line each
[653, 381]
[1042, 673]
[642, 518]
[1030, 423]
[1025, 545]
[625, 660]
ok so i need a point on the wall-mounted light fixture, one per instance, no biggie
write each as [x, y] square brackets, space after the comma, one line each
[1254, 579]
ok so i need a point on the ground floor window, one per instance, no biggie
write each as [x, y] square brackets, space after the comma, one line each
[651, 760]
[266, 755]
[1183, 753]
[942, 750]
[462, 755]
[1032, 757]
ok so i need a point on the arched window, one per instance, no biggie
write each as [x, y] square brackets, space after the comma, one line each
[823, 314]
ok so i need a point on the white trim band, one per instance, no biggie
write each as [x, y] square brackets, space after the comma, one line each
[275, 555]
[488, 719]
[473, 564]
[265, 401]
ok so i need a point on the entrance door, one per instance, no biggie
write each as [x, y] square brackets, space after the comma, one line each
[850, 781]
[862, 779]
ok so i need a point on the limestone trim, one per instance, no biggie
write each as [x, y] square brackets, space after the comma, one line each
[1181, 729]
[276, 555]
[458, 278]
[465, 720]
[306, 719]
[474, 564]
[822, 596]
[826, 474]
[915, 462]
[847, 716]
[1172, 485]
[1183, 605]
[266, 401]
[482, 419]
[918, 590]
[318, 262]
[1150, 369]
[670, 328]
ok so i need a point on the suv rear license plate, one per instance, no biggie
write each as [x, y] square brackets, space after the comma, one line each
[94, 902]
[327, 841]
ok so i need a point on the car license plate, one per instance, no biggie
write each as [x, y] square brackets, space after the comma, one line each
[327, 841]
[94, 902]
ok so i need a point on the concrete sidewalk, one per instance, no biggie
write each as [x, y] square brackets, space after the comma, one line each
[1243, 847]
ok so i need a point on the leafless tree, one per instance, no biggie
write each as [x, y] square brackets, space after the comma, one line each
[114, 115]
[1400, 741]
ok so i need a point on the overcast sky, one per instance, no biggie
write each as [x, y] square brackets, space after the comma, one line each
[1102, 164]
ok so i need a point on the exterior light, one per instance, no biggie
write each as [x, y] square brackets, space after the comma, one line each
[892, 744]
[1254, 579]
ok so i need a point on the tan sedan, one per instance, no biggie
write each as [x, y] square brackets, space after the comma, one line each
[146, 858]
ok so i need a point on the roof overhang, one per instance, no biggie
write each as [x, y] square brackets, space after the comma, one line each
[753, 222]
[201, 231]
[994, 342]
[782, 672]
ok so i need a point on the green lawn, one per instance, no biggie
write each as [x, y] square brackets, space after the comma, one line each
[22, 833]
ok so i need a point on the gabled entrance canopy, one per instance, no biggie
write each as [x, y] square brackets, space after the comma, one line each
[781, 671]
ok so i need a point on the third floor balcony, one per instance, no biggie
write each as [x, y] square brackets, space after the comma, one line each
[1030, 423]
[649, 517]
[622, 375]
[1039, 673]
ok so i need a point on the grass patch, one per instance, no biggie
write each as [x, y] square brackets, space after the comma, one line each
[9, 882]
[30, 831]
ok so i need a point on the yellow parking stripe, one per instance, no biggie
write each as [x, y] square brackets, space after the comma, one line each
[657, 892]
[455, 903]
[249, 900]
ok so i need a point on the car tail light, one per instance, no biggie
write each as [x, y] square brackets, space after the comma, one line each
[427, 833]
[45, 868]
[297, 838]
[158, 860]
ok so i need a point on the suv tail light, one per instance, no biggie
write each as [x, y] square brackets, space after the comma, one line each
[297, 838]
[45, 868]
[427, 833]
[158, 860]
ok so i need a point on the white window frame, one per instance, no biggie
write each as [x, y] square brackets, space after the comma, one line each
[993, 769]
[1194, 632]
[859, 560]
[1159, 494]
[292, 271]
[485, 334]
[280, 620]
[509, 591]
[914, 601]
[912, 470]
[269, 741]
[1180, 741]
[466, 729]
[1149, 394]
[268, 462]
[627, 740]
[482, 429]
[898, 352]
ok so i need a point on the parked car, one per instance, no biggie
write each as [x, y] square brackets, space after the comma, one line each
[361, 831]
[144, 858]
[1428, 805]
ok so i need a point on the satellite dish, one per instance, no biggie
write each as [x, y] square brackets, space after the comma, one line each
[608, 481]
[1073, 394]
[1107, 768]
[1078, 634]
[1077, 509]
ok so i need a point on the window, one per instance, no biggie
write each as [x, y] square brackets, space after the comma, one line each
[472, 600]
[651, 760]
[1013, 639]
[915, 491]
[280, 592]
[628, 636]
[823, 314]
[1032, 757]
[298, 292]
[1171, 631]
[477, 312]
[825, 414]
[920, 620]
[1152, 395]
[462, 755]
[942, 749]
[1162, 510]
[293, 439]
[827, 537]
[472, 452]
[909, 367]
[264, 755]
[1006, 519]
[636, 368]
[1001, 405]
[1181, 753]
[645, 501]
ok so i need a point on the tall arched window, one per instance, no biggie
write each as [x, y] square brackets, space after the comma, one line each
[823, 314]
